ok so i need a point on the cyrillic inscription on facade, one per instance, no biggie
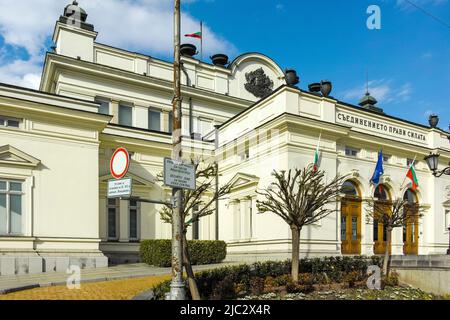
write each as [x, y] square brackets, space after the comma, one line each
[379, 126]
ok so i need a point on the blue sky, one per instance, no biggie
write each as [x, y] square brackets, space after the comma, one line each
[407, 59]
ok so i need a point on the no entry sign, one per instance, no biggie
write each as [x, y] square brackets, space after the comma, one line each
[120, 162]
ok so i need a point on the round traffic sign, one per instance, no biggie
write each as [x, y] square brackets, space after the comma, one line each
[120, 162]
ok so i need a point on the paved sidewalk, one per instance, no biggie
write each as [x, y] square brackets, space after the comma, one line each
[126, 271]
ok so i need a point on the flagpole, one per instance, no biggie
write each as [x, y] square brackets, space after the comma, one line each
[201, 40]
[412, 163]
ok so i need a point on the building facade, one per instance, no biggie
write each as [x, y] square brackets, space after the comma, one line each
[56, 144]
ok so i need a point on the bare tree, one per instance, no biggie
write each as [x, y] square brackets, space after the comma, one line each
[197, 204]
[393, 214]
[300, 198]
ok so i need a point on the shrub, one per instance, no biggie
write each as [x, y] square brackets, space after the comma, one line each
[224, 289]
[158, 252]
[351, 278]
[292, 287]
[390, 281]
[282, 280]
[305, 279]
[257, 286]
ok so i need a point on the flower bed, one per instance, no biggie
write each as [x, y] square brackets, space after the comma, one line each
[274, 277]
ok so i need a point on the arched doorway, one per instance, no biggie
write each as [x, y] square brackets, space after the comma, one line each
[411, 225]
[350, 219]
[382, 204]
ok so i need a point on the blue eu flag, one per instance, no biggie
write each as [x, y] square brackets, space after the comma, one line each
[378, 169]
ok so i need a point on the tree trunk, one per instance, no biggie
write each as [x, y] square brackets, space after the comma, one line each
[387, 256]
[190, 273]
[295, 253]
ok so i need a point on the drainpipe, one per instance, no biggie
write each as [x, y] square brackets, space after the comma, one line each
[216, 142]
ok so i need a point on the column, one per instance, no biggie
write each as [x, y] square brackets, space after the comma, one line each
[115, 111]
[236, 220]
[397, 241]
[366, 231]
[123, 221]
[245, 218]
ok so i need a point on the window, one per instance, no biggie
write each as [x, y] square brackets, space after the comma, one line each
[113, 219]
[104, 106]
[351, 152]
[343, 228]
[375, 230]
[350, 189]
[409, 162]
[245, 154]
[134, 220]
[170, 122]
[154, 119]
[10, 207]
[9, 122]
[125, 115]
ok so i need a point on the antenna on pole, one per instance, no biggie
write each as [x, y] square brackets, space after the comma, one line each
[367, 81]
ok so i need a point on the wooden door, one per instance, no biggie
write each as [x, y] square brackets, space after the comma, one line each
[379, 230]
[411, 232]
[351, 226]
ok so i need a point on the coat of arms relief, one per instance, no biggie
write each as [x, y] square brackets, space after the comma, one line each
[258, 83]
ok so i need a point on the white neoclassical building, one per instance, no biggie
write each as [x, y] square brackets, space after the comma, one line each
[56, 144]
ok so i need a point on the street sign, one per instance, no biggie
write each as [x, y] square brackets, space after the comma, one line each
[120, 162]
[119, 188]
[178, 174]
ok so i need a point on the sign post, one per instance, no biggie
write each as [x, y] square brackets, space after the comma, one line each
[119, 164]
[178, 174]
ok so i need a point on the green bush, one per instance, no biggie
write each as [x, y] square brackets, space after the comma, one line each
[158, 252]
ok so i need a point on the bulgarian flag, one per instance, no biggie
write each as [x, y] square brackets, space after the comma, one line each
[316, 155]
[411, 174]
[197, 35]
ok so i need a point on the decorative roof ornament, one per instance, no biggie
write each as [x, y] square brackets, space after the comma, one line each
[75, 16]
[368, 102]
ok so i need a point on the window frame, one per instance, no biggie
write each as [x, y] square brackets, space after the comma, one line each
[357, 151]
[101, 100]
[125, 105]
[115, 206]
[8, 192]
[137, 207]
[154, 110]
[6, 120]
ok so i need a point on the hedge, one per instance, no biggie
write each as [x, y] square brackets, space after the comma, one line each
[158, 252]
[219, 282]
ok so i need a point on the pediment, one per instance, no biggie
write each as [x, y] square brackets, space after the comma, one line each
[243, 180]
[137, 181]
[13, 156]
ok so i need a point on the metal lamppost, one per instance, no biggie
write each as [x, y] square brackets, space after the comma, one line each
[433, 161]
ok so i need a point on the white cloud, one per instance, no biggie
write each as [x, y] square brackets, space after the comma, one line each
[384, 90]
[140, 25]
